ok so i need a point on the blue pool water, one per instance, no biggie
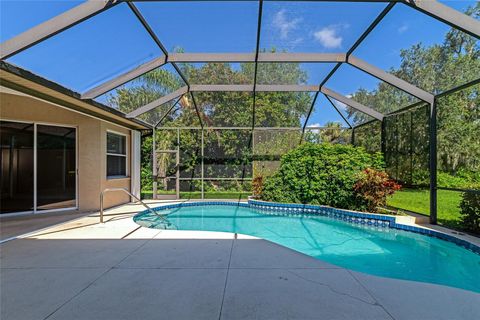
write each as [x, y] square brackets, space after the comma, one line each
[379, 251]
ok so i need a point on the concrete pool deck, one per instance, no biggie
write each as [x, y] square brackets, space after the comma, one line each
[81, 269]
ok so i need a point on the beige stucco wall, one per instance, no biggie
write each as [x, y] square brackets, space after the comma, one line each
[91, 155]
[114, 198]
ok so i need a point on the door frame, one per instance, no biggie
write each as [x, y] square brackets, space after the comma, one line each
[35, 211]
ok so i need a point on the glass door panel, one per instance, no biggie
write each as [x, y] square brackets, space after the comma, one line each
[16, 165]
[56, 167]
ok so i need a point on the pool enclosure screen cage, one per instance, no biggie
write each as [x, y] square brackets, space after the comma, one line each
[194, 162]
[225, 101]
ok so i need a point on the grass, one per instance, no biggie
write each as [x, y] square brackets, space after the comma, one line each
[418, 200]
[208, 195]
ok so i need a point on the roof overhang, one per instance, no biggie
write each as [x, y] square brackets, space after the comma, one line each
[30, 84]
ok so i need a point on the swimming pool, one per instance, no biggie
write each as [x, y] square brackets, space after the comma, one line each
[369, 246]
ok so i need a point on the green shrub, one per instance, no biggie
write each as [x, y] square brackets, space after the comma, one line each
[462, 179]
[421, 177]
[275, 190]
[320, 174]
[470, 211]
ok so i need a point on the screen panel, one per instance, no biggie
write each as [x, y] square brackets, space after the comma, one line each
[407, 146]
[422, 50]
[203, 26]
[369, 136]
[92, 50]
[315, 26]
[368, 90]
[268, 147]
[225, 109]
[333, 133]
[282, 109]
[218, 73]
[458, 148]
[227, 153]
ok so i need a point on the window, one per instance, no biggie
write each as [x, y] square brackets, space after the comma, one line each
[116, 155]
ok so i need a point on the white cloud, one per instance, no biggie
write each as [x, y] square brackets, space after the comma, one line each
[329, 37]
[296, 41]
[315, 125]
[404, 27]
[284, 25]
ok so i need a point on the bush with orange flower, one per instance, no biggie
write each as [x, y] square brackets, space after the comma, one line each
[373, 187]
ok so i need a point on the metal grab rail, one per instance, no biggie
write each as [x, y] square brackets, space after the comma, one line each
[127, 192]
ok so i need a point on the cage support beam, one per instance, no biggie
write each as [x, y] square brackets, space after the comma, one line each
[278, 57]
[147, 27]
[196, 107]
[154, 165]
[301, 57]
[255, 71]
[329, 75]
[433, 162]
[155, 38]
[352, 104]
[156, 103]
[357, 43]
[53, 26]
[221, 87]
[249, 128]
[264, 57]
[251, 143]
[137, 71]
[308, 116]
[371, 27]
[265, 88]
[390, 79]
[448, 15]
[182, 57]
[252, 88]
[286, 88]
[168, 111]
[124, 78]
[338, 111]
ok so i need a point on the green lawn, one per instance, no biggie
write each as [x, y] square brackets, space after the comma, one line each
[418, 200]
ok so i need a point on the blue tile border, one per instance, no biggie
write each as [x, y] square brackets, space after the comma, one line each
[339, 214]
[376, 220]
[294, 209]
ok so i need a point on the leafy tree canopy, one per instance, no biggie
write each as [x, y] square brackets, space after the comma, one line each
[435, 69]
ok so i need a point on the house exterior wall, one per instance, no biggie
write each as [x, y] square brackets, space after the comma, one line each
[91, 146]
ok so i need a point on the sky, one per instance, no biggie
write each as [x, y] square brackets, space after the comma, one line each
[114, 41]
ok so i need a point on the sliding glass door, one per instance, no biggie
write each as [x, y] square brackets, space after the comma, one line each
[16, 163]
[38, 167]
[56, 167]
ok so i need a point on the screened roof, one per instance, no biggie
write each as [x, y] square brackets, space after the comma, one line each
[241, 63]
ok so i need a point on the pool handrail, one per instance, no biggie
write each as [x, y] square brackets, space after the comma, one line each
[127, 192]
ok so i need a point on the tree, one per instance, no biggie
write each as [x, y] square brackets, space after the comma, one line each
[227, 152]
[332, 133]
[435, 69]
